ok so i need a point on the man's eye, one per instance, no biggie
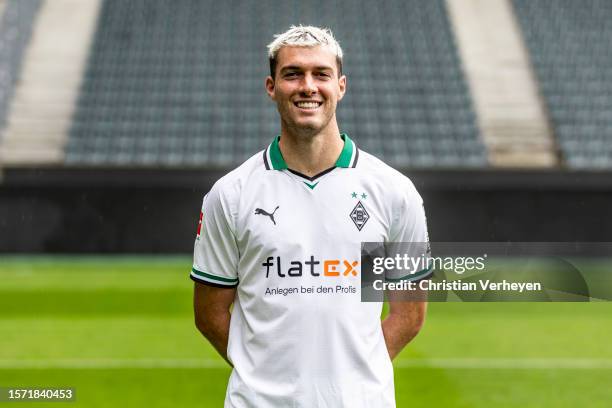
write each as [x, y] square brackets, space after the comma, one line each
[290, 74]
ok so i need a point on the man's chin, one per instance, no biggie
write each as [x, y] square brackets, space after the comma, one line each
[307, 125]
[305, 128]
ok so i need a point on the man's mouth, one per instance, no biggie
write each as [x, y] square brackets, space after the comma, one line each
[307, 104]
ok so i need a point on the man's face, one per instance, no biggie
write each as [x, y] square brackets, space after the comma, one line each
[306, 88]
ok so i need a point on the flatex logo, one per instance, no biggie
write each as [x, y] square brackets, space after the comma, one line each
[312, 266]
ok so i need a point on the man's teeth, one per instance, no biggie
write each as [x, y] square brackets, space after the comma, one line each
[307, 105]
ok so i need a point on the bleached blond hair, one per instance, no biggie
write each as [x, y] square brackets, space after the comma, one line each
[304, 36]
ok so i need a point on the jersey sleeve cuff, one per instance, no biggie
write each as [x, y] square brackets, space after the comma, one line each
[212, 280]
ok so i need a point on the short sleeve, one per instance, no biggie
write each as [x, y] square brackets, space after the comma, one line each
[215, 253]
[408, 237]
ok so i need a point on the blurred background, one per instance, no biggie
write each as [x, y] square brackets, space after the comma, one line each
[117, 116]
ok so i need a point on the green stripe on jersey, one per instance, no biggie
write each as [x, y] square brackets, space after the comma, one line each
[213, 277]
[311, 186]
[347, 152]
[344, 160]
[276, 157]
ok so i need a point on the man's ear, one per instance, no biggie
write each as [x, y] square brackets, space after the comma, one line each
[342, 86]
[270, 88]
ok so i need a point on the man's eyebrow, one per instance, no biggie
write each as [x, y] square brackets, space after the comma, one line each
[291, 68]
[298, 68]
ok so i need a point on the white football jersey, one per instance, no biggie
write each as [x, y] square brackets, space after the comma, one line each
[299, 334]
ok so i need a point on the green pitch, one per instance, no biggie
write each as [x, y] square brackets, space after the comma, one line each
[120, 331]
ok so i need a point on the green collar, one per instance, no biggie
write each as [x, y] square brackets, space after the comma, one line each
[348, 155]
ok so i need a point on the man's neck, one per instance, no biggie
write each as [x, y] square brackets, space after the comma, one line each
[312, 154]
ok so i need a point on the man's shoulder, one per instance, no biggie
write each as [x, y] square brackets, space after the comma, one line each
[378, 170]
[232, 183]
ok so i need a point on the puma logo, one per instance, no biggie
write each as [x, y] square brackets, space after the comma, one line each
[259, 211]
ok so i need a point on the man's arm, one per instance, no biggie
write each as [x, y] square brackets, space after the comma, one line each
[211, 306]
[402, 324]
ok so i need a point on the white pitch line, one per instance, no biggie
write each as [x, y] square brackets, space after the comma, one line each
[507, 363]
[109, 363]
[445, 363]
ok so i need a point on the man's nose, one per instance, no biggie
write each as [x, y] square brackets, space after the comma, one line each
[308, 85]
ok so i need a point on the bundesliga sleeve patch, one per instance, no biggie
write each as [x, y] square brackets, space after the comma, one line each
[200, 225]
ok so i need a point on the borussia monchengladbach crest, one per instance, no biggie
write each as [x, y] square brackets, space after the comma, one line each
[359, 215]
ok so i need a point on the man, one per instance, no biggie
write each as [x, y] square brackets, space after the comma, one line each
[280, 240]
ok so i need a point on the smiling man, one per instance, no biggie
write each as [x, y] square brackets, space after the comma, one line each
[280, 237]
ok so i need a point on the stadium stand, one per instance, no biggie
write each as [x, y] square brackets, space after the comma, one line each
[16, 23]
[107, 96]
[49, 83]
[570, 48]
[511, 114]
[181, 83]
